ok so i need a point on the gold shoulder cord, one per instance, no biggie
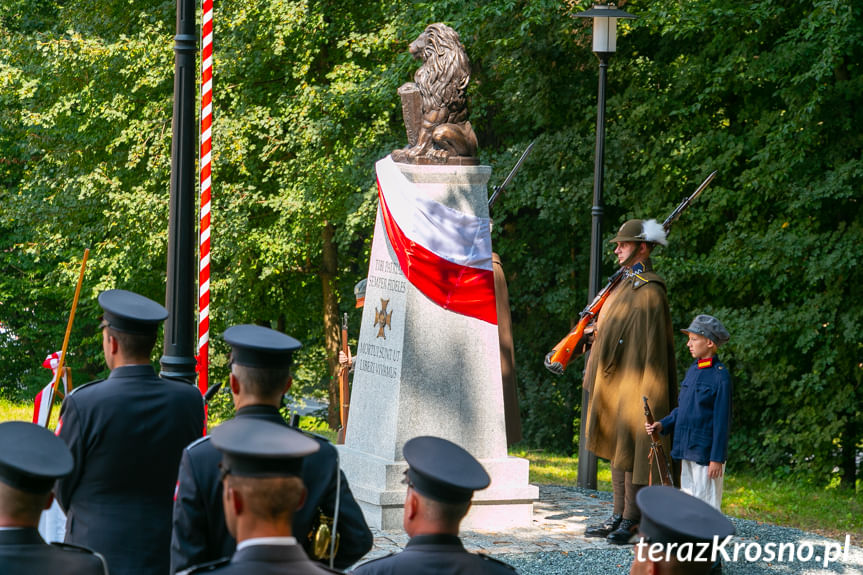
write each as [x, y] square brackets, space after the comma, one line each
[324, 544]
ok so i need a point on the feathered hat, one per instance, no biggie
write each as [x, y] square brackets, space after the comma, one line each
[641, 231]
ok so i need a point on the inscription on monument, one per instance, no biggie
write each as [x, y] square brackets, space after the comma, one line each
[379, 360]
[388, 284]
[387, 267]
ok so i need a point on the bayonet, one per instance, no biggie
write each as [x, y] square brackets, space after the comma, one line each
[500, 188]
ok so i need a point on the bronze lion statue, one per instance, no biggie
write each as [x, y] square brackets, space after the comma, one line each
[435, 103]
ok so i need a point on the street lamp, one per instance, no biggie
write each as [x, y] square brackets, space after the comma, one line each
[605, 18]
[178, 360]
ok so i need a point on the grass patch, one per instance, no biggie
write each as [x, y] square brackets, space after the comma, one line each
[13, 411]
[318, 427]
[830, 512]
[549, 468]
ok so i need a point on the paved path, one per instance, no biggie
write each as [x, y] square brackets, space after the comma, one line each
[555, 543]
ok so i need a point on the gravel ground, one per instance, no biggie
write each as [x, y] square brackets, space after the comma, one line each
[612, 560]
[555, 543]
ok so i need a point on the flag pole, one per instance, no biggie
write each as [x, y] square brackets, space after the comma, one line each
[205, 193]
[68, 332]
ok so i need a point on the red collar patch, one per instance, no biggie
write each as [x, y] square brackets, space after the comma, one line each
[705, 363]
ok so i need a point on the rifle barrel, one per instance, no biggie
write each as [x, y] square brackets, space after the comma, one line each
[500, 188]
[666, 225]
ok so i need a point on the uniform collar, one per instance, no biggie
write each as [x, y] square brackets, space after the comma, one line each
[20, 536]
[435, 539]
[706, 362]
[637, 272]
[261, 411]
[278, 541]
[137, 370]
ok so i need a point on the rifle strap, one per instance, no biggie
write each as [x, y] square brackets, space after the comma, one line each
[650, 466]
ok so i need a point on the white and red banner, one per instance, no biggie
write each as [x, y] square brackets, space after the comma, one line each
[42, 402]
[444, 253]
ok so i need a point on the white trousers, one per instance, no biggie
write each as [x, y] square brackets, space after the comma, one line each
[694, 481]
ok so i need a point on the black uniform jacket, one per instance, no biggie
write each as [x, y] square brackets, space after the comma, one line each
[434, 555]
[127, 434]
[200, 534]
[264, 560]
[24, 552]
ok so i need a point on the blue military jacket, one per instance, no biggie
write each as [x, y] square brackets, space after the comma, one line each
[127, 434]
[200, 534]
[702, 419]
[435, 555]
[263, 560]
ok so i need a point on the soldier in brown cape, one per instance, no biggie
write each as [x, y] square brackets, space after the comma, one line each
[632, 356]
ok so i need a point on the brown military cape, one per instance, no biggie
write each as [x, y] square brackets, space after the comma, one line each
[632, 356]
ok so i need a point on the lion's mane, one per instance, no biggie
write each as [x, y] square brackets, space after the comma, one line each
[444, 75]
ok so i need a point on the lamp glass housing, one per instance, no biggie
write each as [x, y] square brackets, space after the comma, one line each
[604, 34]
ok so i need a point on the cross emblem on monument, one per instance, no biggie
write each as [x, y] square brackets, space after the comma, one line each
[383, 318]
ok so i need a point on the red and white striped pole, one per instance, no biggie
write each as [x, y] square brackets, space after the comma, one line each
[206, 188]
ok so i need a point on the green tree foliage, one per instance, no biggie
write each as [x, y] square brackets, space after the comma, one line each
[764, 92]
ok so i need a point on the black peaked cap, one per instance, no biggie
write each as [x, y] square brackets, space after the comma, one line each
[669, 515]
[443, 471]
[130, 312]
[257, 448]
[258, 346]
[32, 457]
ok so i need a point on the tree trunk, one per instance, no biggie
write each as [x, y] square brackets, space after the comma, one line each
[850, 437]
[331, 319]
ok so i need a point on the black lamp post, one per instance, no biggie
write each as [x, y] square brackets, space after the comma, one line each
[178, 359]
[604, 44]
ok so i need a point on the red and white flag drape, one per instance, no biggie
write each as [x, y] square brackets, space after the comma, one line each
[444, 253]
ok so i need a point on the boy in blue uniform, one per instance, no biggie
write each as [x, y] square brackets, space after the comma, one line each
[702, 419]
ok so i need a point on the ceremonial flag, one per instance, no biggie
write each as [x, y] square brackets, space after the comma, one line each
[444, 253]
[42, 402]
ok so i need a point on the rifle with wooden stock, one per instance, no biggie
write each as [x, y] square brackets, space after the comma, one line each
[558, 358]
[344, 385]
[657, 452]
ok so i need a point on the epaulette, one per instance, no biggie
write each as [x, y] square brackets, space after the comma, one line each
[197, 441]
[498, 561]
[644, 278]
[204, 567]
[81, 549]
[82, 386]
[387, 556]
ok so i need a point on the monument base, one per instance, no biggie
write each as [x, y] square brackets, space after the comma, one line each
[377, 486]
